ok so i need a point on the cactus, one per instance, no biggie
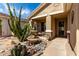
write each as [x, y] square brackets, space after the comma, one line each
[24, 51]
[15, 26]
[14, 51]
[19, 50]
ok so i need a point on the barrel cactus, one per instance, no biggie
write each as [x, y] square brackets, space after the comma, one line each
[15, 25]
[19, 50]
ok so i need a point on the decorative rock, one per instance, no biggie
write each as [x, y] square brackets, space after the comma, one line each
[40, 46]
[8, 43]
[13, 42]
[23, 43]
[31, 37]
[1, 51]
[38, 53]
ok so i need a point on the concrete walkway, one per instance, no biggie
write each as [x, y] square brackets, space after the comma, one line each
[59, 47]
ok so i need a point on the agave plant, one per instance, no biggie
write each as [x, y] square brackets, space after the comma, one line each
[15, 26]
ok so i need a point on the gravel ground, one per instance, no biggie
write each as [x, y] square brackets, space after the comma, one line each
[6, 45]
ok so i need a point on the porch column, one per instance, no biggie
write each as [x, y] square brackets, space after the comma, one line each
[48, 26]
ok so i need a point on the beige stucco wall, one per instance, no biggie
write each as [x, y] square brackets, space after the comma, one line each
[67, 6]
[74, 28]
[51, 8]
[77, 29]
[5, 28]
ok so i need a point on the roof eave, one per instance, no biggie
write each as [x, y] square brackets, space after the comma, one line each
[36, 10]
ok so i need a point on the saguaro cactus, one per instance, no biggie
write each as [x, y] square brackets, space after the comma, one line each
[15, 26]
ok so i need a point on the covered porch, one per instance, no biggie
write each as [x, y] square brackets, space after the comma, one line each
[52, 25]
[39, 24]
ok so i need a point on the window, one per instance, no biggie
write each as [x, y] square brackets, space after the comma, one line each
[72, 17]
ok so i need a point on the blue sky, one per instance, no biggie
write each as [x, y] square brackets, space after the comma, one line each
[26, 11]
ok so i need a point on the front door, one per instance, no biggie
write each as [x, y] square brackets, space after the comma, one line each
[61, 28]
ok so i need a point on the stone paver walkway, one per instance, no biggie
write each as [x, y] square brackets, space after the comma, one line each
[59, 47]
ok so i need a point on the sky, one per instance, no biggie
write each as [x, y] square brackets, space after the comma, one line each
[26, 11]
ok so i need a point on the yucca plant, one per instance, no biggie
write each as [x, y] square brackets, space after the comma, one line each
[15, 26]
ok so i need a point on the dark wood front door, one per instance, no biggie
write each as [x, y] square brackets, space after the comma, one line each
[61, 28]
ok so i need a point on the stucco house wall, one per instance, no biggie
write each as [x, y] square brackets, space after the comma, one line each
[49, 9]
[5, 28]
[4, 23]
[76, 19]
[73, 27]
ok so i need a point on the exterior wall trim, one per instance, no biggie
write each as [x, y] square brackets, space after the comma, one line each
[48, 30]
[68, 31]
[39, 16]
[57, 12]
